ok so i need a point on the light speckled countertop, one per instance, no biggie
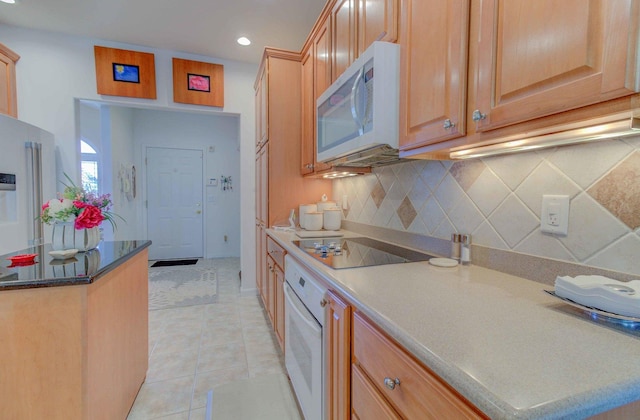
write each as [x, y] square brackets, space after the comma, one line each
[504, 344]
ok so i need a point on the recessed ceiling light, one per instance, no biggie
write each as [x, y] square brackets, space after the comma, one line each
[8, 1]
[243, 40]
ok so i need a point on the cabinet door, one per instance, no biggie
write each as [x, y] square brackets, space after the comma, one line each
[259, 259]
[262, 109]
[433, 71]
[416, 393]
[338, 330]
[343, 21]
[262, 268]
[262, 185]
[307, 147]
[279, 305]
[270, 290]
[322, 77]
[367, 402]
[8, 93]
[537, 58]
[377, 21]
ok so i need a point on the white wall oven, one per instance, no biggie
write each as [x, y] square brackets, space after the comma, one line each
[304, 346]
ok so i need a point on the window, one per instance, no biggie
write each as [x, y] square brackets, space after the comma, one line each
[89, 167]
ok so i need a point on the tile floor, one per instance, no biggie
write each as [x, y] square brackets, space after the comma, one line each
[227, 346]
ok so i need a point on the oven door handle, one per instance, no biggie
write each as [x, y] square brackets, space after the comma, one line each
[302, 312]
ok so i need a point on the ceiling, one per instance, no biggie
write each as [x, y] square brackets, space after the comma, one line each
[205, 27]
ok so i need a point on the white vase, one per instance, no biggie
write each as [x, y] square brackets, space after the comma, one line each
[65, 236]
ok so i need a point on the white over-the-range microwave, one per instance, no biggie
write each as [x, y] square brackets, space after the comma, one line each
[357, 116]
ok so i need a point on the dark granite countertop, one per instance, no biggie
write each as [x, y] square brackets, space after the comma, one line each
[84, 268]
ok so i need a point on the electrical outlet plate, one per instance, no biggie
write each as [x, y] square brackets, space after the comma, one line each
[554, 217]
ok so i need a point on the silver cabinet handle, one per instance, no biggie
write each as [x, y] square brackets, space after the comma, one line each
[391, 383]
[448, 124]
[478, 116]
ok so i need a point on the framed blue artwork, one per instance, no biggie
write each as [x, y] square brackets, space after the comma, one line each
[126, 73]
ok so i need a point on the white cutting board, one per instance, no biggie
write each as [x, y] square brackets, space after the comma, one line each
[319, 233]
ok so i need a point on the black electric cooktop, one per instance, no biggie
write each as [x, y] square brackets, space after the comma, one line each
[358, 252]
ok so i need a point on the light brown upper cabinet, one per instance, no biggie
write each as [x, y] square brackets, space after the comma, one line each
[377, 21]
[537, 58]
[433, 71]
[358, 23]
[343, 23]
[8, 93]
[262, 116]
[316, 77]
[510, 67]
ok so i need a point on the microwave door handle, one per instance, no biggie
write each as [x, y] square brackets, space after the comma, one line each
[354, 108]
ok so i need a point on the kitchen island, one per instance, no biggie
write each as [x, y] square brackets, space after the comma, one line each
[74, 332]
[500, 341]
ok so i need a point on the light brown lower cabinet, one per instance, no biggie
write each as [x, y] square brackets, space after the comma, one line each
[403, 385]
[366, 401]
[279, 305]
[274, 296]
[338, 332]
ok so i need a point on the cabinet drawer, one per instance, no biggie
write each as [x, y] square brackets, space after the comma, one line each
[276, 252]
[366, 400]
[418, 393]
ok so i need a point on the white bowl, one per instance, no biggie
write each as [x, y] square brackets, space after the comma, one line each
[63, 254]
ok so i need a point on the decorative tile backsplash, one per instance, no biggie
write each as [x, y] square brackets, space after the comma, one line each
[498, 200]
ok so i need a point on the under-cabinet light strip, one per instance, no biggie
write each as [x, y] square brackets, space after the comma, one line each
[616, 129]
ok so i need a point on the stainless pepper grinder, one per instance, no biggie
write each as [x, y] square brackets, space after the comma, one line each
[455, 246]
[465, 249]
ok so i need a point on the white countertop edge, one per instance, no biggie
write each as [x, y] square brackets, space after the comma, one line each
[578, 406]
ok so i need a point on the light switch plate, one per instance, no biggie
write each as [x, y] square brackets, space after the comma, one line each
[554, 217]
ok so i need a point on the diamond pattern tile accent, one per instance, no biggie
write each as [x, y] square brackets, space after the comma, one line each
[466, 172]
[406, 212]
[619, 191]
[378, 194]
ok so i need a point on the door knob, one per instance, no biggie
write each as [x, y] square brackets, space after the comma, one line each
[391, 383]
[198, 211]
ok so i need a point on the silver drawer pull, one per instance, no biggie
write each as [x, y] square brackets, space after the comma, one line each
[448, 124]
[391, 383]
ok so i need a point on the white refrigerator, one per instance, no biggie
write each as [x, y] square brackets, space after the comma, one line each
[27, 156]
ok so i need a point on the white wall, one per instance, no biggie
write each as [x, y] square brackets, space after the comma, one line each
[54, 70]
[200, 132]
[122, 153]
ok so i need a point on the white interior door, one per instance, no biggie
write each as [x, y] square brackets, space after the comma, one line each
[174, 209]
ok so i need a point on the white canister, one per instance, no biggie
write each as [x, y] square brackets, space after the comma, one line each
[332, 219]
[305, 208]
[324, 205]
[313, 220]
